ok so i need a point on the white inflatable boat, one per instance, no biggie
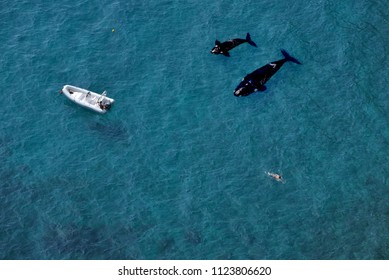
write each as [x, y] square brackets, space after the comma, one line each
[97, 102]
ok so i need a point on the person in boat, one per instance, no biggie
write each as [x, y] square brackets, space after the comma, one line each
[104, 106]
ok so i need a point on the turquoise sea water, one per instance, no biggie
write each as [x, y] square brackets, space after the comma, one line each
[176, 170]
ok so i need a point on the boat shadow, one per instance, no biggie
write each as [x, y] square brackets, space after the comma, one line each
[112, 130]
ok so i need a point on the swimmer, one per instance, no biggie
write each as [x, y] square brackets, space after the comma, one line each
[276, 176]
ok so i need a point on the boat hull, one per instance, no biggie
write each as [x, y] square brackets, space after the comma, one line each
[88, 99]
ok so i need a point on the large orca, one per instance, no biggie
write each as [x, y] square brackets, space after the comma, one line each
[223, 48]
[257, 79]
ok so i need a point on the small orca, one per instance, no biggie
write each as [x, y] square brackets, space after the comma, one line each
[257, 79]
[223, 48]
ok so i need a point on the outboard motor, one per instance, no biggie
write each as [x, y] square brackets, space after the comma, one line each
[105, 104]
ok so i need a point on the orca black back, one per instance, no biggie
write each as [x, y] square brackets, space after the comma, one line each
[225, 47]
[256, 80]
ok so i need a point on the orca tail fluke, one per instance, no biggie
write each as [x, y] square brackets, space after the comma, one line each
[288, 57]
[248, 39]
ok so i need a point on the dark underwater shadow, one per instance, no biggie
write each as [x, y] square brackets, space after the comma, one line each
[74, 241]
[113, 130]
[193, 237]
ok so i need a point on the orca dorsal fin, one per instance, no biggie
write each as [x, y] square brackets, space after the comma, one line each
[217, 43]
